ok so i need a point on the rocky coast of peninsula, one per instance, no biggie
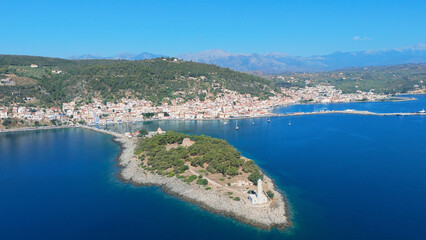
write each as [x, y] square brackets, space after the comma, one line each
[272, 214]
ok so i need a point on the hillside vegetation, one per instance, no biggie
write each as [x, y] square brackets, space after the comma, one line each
[212, 155]
[155, 80]
[385, 79]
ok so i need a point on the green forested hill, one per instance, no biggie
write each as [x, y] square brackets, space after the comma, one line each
[384, 79]
[153, 80]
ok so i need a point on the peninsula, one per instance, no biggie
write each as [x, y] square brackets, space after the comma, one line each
[206, 171]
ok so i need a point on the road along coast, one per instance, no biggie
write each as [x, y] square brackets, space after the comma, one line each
[25, 129]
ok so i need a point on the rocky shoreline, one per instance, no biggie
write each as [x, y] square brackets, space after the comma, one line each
[272, 215]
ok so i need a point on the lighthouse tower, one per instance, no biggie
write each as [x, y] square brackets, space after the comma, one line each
[259, 197]
[259, 187]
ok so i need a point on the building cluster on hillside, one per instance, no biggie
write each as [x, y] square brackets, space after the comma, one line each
[31, 113]
[329, 94]
[228, 104]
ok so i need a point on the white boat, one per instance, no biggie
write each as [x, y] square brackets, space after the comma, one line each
[422, 111]
[269, 119]
[236, 126]
[289, 123]
[225, 122]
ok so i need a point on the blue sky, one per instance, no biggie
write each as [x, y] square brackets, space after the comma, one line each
[65, 28]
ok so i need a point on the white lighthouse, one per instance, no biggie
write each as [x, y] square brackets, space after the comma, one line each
[259, 197]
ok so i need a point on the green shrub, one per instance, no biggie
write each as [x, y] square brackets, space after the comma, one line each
[254, 176]
[208, 188]
[203, 182]
[237, 199]
[143, 132]
[270, 194]
[192, 178]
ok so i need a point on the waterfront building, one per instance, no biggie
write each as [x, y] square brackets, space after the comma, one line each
[159, 131]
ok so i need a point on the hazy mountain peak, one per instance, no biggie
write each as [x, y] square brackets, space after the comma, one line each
[122, 55]
[276, 62]
[205, 56]
[86, 56]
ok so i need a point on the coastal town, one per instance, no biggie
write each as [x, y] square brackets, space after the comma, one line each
[229, 104]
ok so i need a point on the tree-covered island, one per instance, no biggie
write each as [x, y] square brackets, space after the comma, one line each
[202, 160]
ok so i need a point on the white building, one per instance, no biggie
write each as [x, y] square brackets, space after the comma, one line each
[259, 197]
[34, 66]
[159, 131]
[3, 113]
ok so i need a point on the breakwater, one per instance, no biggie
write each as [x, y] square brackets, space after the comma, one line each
[355, 112]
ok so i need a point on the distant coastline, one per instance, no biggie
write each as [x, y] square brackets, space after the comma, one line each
[347, 111]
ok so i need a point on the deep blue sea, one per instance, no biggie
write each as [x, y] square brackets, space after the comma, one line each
[345, 177]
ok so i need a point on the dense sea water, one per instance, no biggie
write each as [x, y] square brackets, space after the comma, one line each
[345, 177]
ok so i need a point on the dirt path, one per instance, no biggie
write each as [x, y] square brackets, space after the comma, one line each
[241, 195]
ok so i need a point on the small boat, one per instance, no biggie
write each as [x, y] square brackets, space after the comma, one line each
[236, 126]
[225, 122]
[269, 119]
[252, 122]
[289, 123]
[422, 111]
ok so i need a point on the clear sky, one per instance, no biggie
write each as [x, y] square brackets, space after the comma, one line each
[65, 28]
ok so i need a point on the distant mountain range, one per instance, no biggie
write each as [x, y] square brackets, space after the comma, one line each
[124, 56]
[274, 63]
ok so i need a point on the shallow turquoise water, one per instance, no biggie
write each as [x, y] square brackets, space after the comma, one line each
[345, 176]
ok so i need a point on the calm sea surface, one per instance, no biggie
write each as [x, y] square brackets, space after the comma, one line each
[345, 177]
[379, 107]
